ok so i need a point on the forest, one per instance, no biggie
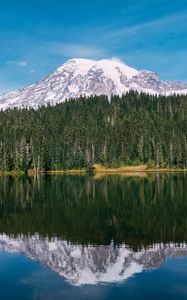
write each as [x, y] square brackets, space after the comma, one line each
[130, 130]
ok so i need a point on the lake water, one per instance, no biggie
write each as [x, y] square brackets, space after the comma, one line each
[102, 237]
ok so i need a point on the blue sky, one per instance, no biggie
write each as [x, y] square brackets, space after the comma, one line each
[39, 35]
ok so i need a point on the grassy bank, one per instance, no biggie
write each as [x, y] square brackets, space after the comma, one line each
[99, 170]
[12, 173]
[133, 169]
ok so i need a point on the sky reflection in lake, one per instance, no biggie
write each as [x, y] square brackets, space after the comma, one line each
[77, 237]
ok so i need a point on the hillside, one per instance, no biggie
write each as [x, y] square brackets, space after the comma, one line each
[132, 130]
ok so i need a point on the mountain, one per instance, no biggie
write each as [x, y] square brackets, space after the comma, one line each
[82, 265]
[89, 77]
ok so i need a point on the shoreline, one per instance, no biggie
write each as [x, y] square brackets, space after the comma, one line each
[134, 169]
[98, 169]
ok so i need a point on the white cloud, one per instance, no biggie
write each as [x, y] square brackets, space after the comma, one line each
[157, 24]
[78, 50]
[117, 59]
[17, 63]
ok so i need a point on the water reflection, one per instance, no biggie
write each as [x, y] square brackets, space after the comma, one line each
[135, 211]
[82, 265]
[77, 217]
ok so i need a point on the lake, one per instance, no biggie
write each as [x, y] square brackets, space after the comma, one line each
[94, 237]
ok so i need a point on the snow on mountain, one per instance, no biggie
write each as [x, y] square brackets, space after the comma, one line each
[89, 77]
[82, 265]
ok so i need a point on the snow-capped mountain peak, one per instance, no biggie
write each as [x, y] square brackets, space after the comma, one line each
[89, 77]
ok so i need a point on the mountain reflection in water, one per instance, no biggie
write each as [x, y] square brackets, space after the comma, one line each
[91, 264]
[95, 230]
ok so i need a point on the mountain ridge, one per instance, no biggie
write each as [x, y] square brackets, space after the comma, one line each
[85, 77]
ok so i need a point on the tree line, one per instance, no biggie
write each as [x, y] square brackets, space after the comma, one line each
[130, 130]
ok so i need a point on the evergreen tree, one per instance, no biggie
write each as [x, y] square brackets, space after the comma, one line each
[129, 130]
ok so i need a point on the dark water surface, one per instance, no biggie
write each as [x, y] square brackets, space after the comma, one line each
[79, 237]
